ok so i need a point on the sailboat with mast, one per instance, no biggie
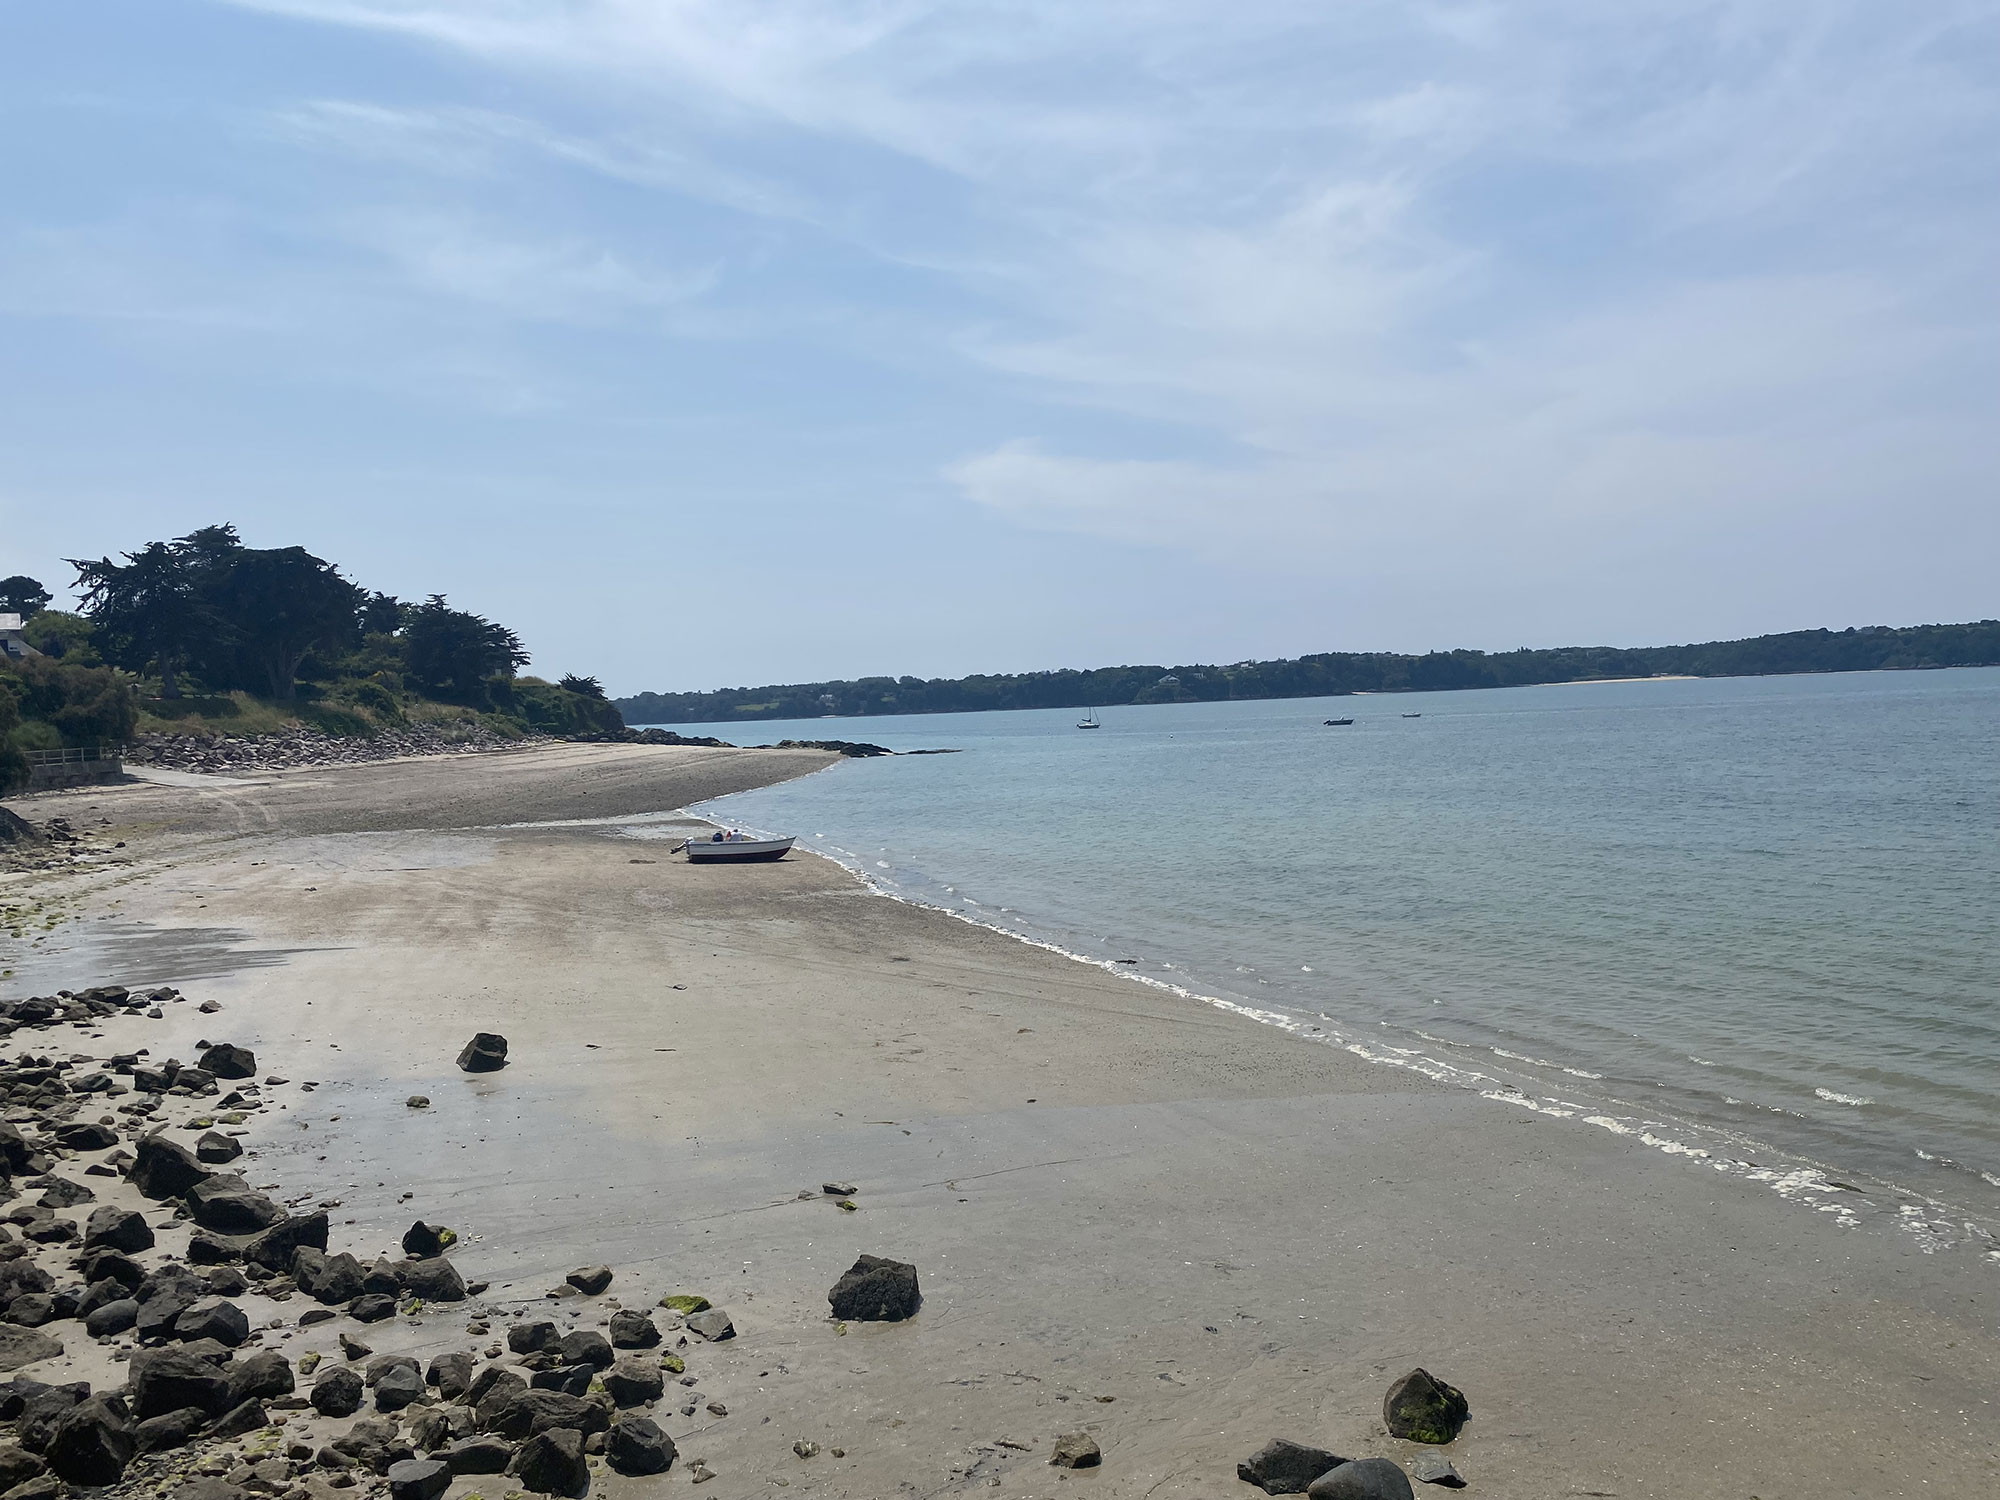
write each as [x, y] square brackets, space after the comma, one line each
[1089, 720]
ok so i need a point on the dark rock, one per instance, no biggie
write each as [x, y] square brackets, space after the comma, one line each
[226, 1281]
[485, 1053]
[491, 1391]
[227, 1061]
[213, 1318]
[229, 1205]
[331, 1279]
[418, 1479]
[1364, 1479]
[379, 1275]
[243, 1417]
[276, 1247]
[372, 1308]
[552, 1463]
[1435, 1468]
[95, 1296]
[205, 1249]
[538, 1411]
[374, 1443]
[32, 1309]
[1283, 1467]
[111, 1317]
[1423, 1409]
[532, 1338]
[337, 1391]
[158, 1381]
[62, 1193]
[98, 1265]
[399, 1387]
[434, 1280]
[48, 1487]
[93, 1442]
[1075, 1450]
[633, 1382]
[421, 1241]
[590, 1280]
[633, 1330]
[635, 1445]
[451, 1374]
[573, 1380]
[42, 1406]
[215, 1148]
[162, 1169]
[23, 1346]
[713, 1325]
[586, 1346]
[110, 1227]
[85, 1135]
[430, 1428]
[876, 1290]
[479, 1455]
[18, 1466]
[49, 1230]
[172, 1429]
[194, 1081]
[208, 1487]
[262, 1373]
[382, 1364]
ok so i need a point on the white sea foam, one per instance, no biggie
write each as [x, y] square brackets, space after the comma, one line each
[1854, 1100]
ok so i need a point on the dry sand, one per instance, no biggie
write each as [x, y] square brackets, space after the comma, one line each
[1132, 1214]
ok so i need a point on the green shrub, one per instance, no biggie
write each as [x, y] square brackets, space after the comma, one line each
[334, 719]
[85, 705]
[55, 632]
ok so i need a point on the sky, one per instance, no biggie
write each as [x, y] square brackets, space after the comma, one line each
[720, 342]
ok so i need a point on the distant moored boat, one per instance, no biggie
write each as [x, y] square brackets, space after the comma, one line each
[1337, 722]
[1088, 721]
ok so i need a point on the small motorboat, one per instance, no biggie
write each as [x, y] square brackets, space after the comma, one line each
[1089, 721]
[1413, 716]
[1338, 722]
[735, 849]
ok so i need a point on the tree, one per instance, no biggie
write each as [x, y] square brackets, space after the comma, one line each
[148, 611]
[450, 650]
[589, 687]
[23, 596]
[382, 615]
[279, 604]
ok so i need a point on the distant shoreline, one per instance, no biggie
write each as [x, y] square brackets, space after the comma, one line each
[1334, 675]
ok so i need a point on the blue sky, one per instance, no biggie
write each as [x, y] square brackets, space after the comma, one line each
[718, 343]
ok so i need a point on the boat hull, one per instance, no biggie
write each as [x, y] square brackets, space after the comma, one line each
[737, 851]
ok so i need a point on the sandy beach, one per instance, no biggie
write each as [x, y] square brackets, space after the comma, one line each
[1133, 1214]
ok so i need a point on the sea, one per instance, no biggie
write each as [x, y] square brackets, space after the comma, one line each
[1752, 923]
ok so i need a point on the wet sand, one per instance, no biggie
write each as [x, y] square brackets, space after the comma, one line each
[1109, 1192]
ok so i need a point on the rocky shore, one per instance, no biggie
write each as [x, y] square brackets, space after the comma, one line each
[312, 747]
[164, 1257]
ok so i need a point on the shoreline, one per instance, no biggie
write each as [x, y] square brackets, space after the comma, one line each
[1106, 1190]
[1794, 1176]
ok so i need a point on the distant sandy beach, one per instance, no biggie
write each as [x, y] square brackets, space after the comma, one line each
[1132, 1214]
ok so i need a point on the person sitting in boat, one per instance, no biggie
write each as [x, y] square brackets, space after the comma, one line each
[718, 837]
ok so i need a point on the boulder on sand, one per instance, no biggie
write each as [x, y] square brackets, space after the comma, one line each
[330, 1279]
[215, 1148]
[631, 1329]
[551, 1463]
[434, 1280]
[93, 1442]
[1283, 1467]
[278, 1246]
[163, 1169]
[226, 1060]
[110, 1227]
[159, 1381]
[337, 1392]
[1423, 1409]
[418, 1479]
[713, 1325]
[478, 1455]
[421, 1241]
[876, 1290]
[590, 1280]
[1075, 1450]
[229, 1205]
[1364, 1479]
[636, 1445]
[485, 1053]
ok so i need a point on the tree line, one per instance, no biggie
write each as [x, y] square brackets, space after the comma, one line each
[177, 626]
[1333, 674]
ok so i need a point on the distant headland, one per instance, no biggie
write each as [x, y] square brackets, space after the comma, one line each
[1869, 648]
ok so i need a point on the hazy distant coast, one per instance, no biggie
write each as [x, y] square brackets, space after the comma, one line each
[1870, 648]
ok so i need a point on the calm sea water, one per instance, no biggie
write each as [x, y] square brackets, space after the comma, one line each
[1752, 918]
